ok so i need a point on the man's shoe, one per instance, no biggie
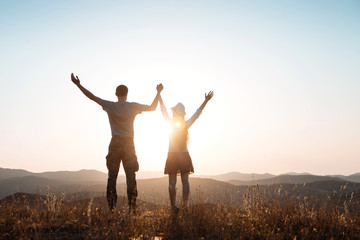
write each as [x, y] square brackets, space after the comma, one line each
[175, 211]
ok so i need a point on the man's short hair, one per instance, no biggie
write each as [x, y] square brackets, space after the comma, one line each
[121, 91]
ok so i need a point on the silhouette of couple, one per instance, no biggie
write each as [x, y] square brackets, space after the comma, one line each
[121, 117]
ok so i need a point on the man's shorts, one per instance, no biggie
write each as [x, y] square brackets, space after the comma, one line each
[122, 149]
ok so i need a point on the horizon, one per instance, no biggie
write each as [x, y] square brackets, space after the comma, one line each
[285, 77]
[194, 174]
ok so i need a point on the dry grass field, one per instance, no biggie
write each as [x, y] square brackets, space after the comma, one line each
[262, 215]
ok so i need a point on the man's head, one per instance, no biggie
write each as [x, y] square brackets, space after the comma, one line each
[121, 91]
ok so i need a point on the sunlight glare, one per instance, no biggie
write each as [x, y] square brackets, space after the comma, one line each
[151, 140]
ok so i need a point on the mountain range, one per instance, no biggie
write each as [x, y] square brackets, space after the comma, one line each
[224, 188]
[247, 178]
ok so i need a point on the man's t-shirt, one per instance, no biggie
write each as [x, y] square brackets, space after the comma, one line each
[121, 116]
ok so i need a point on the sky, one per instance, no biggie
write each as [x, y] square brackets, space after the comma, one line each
[285, 74]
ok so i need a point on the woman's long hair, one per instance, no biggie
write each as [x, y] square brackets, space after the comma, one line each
[179, 134]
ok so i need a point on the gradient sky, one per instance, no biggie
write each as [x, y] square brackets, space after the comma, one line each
[286, 77]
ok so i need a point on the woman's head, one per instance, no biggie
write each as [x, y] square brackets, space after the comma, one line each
[179, 110]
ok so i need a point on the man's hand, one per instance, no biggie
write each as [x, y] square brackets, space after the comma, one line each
[154, 104]
[209, 96]
[87, 93]
[159, 88]
[76, 80]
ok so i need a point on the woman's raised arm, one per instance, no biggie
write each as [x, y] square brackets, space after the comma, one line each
[163, 110]
[207, 98]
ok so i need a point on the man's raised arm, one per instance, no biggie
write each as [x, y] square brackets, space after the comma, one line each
[86, 92]
[154, 104]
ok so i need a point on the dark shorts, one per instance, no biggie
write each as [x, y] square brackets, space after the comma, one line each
[122, 149]
[178, 162]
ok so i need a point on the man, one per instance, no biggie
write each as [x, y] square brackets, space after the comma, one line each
[121, 117]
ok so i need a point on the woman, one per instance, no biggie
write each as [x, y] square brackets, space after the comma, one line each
[179, 160]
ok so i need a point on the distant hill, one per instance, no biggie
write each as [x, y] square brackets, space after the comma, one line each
[238, 176]
[292, 179]
[6, 173]
[77, 176]
[68, 176]
[333, 185]
[267, 178]
[354, 177]
[27, 184]
[39, 185]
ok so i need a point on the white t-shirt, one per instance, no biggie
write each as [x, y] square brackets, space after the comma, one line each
[121, 116]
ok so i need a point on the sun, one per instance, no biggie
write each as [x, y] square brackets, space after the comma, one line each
[151, 137]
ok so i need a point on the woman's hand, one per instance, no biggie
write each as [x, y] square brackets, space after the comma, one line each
[159, 87]
[209, 96]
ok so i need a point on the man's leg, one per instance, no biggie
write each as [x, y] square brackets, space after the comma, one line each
[131, 166]
[111, 194]
[113, 165]
[172, 189]
[131, 189]
[186, 188]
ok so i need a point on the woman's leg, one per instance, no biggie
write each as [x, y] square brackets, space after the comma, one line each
[172, 189]
[186, 187]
